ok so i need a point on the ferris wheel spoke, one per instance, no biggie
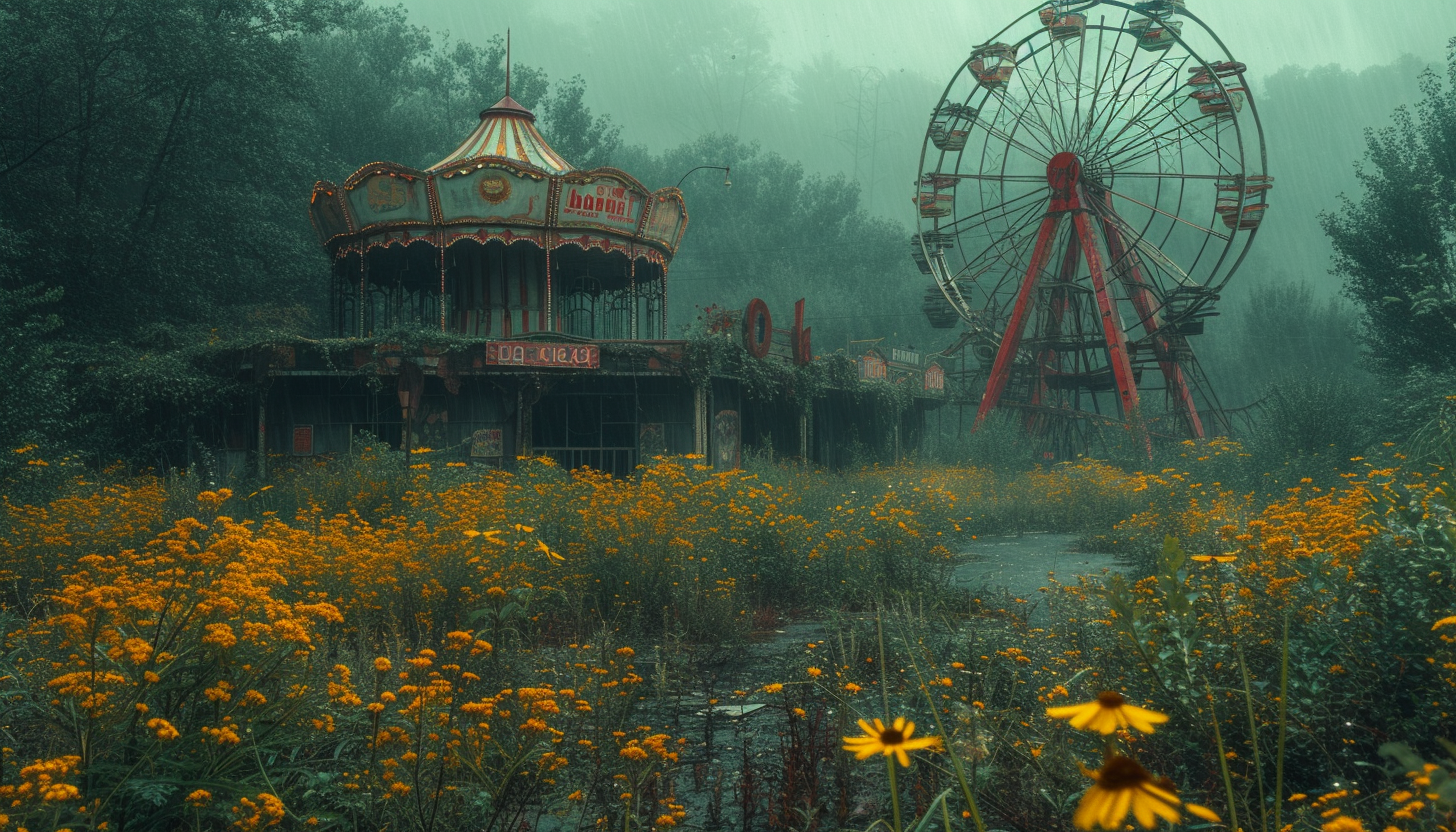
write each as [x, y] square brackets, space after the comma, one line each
[1170, 110]
[1016, 225]
[1196, 129]
[1060, 86]
[1182, 125]
[1045, 146]
[1156, 99]
[1076, 68]
[1173, 217]
[1046, 139]
[1077, 104]
[992, 177]
[1119, 98]
[1043, 79]
[1029, 108]
[1168, 175]
[1044, 157]
[1003, 209]
[1154, 145]
[1107, 70]
[1160, 73]
[996, 250]
[1115, 63]
[1052, 87]
[1140, 244]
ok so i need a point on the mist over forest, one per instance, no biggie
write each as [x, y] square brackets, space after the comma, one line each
[783, 80]
[194, 146]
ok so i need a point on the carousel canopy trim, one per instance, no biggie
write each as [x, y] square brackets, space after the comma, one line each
[506, 178]
[381, 200]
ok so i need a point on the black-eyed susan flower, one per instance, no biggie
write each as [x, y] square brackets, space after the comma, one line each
[1122, 786]
[1107, 713]
[892, 741]
[1228, 557]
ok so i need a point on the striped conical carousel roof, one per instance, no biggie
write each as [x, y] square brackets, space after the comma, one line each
[506, 131]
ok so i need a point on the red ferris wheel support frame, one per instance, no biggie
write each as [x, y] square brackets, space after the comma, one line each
[1070, 199]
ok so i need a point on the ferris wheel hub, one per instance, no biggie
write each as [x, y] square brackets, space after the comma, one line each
[1063, 173]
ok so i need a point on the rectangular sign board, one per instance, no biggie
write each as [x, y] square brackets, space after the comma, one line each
[524, 354]
[602, 203]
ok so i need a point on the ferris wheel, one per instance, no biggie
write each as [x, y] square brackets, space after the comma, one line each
[1090, 180]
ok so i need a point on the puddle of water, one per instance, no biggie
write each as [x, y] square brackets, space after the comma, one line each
[1020, 564]
[734, 733]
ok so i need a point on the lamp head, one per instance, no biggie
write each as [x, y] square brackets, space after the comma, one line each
[727, 183]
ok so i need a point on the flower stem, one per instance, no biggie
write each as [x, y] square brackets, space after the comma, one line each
[960, 771]
[894, 791]
[1283, 725]
[1254, 739]
[1228, 782]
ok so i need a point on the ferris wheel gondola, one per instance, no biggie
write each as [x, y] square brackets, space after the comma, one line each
[1090, 180]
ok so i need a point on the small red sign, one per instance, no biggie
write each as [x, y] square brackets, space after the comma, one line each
[872, 366]
[934, 377]
[303, 440]
[522, 354]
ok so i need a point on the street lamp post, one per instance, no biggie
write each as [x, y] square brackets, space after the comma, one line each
[727, 183]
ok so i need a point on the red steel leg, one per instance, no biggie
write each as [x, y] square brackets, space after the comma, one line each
[1011, 338]
[1143, 303]
[1111, 326]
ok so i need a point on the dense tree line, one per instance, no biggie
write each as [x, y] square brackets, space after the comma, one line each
[1396, 244]
[1334, 376]
[155, 161]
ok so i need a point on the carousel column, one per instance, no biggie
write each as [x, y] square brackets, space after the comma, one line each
[441, 281]
[700, 419]
[359, 305]
[662, 332]
[632, 291]
[548, 312]
[523, 423]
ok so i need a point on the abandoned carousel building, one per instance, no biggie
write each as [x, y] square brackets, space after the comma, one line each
[502, 304]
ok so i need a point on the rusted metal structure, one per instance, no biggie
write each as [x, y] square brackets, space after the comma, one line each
[1090, 180]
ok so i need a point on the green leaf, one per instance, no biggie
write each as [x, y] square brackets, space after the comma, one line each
[929, 816]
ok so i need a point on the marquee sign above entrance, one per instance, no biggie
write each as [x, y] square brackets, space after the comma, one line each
[527, 354]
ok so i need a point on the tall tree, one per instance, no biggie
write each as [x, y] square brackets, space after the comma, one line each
[1396, 245]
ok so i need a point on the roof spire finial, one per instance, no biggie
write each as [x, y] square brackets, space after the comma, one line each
[508, 63]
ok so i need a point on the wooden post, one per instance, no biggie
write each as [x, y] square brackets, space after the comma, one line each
[804, 434]
[522, 423]
[262, 460]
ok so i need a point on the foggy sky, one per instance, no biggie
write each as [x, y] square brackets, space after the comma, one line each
[931, 36]
[636, 54]
[782, 73]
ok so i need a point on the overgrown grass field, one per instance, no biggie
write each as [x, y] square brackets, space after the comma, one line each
[372, 644]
